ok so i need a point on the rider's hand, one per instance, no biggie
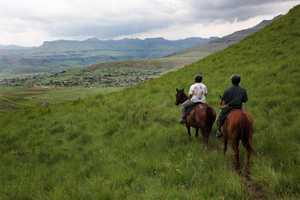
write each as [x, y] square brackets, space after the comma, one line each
[223, 106]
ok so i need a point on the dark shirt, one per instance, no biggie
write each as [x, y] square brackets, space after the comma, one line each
[235, 96]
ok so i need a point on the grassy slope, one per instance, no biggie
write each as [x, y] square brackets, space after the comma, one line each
[128, 144]
[16, 98]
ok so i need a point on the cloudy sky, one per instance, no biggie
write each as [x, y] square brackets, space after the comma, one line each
[31, 22]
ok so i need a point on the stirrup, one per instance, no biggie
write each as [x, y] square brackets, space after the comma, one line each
[219, 134]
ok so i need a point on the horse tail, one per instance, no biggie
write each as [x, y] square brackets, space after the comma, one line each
[211, 117]
[246, 131]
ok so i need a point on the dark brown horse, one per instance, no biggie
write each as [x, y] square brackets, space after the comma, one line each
[237, 127]
[201, 117]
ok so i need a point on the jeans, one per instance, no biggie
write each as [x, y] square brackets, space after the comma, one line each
[223, 114]
[187, 107]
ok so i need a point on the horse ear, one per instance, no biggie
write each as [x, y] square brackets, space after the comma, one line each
[220, 97]
[177, 90]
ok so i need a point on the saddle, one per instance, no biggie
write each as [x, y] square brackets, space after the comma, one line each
[190, 108]
[225, 112]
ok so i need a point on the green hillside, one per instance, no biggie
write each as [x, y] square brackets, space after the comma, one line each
[128, 144]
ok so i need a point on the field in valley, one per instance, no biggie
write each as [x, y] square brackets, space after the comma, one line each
[20, 98]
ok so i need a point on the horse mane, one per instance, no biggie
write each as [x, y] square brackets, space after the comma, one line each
[185, 96]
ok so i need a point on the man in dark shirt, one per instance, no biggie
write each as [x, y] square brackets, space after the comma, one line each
[233, 98]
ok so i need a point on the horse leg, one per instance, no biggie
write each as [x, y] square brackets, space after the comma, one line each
[188, 130]
[247, 169]
[235, 147]
[248, 147]
[205, 136]
[225, 144]
[197, 132]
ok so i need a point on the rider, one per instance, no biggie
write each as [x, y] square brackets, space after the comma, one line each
[233, 98]
[197, 94]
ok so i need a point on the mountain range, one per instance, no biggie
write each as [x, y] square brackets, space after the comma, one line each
[127, 72]
[55, 56]
[61, 54]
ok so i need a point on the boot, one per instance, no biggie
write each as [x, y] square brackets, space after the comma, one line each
[219, 133]
[182, 119]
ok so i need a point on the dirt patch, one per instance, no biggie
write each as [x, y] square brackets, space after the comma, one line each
[254, 191]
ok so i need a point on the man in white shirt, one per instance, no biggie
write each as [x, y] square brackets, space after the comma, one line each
[197, 94]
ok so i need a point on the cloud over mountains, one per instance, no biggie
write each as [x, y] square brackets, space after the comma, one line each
[32, 21]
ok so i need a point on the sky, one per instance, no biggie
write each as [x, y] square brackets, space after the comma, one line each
[30, 22]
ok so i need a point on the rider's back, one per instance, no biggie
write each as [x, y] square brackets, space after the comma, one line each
[198, 91]
[235, 96]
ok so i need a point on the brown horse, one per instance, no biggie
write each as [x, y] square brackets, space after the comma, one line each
[237, 127]
[201, 117]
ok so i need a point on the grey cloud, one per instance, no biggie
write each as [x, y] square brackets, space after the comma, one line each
[138, 17]
[104, 30]
[199, 12]
[230, 4]
[232, 10]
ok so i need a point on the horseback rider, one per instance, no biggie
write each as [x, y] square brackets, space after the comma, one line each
[233, 98]
[197, 94]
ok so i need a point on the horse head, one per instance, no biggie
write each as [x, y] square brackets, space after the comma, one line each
[180, 96]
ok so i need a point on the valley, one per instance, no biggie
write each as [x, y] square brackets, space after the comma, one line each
[125, 73]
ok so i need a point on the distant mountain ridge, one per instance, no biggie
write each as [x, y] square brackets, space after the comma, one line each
[11, 47]
[113, 73]
[58, 55]
[95, 44]
[53, 56]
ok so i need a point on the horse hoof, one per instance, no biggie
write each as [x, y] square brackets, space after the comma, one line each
[238, 170]
[247, 172]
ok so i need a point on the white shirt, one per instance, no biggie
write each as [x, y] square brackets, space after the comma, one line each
[198, 91]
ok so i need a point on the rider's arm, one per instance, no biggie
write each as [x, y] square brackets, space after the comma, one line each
[245, 97]
[191, 92]
[223, 105]
[205, 91]
[224, 98]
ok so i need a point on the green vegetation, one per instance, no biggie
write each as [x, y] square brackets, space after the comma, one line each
[128, 144]
[109, 74]
[15, 98]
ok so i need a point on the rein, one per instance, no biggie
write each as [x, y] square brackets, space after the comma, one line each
[185, 97]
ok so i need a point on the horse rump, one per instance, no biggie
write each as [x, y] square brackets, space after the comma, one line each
[211, 117]
[246, 131]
